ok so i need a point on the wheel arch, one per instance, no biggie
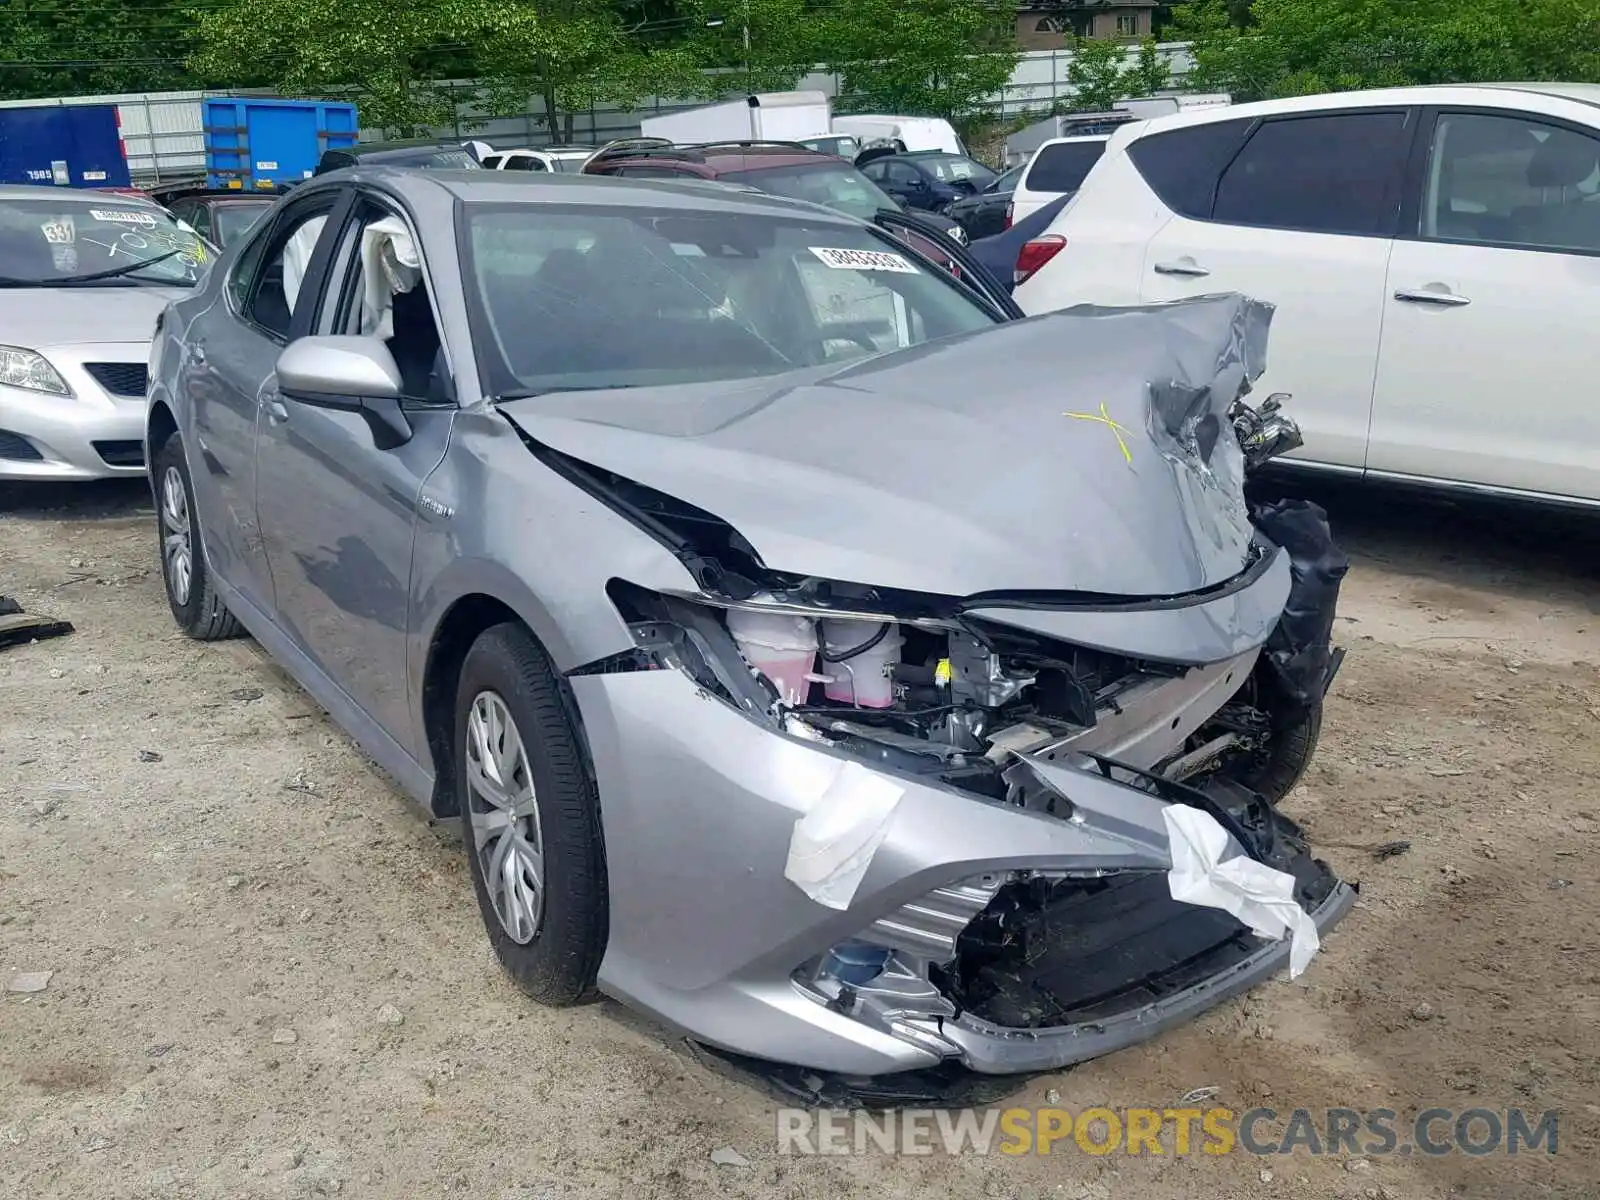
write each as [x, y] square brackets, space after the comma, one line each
[463, 621]
[159, 425]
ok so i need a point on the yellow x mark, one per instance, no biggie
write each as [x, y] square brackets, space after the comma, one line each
[1104, 418]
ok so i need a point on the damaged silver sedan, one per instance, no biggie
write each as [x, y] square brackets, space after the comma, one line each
[818, 660]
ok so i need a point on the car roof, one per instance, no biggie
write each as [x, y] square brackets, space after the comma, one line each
[600, 191]
[25, 191]
[1432, 93]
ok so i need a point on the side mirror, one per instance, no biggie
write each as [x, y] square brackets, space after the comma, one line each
[353, 374]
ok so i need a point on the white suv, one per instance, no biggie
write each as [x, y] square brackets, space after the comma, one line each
[1433, 252]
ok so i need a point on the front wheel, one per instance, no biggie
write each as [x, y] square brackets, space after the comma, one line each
[530, 818]
[190, 594]
[1280, 764]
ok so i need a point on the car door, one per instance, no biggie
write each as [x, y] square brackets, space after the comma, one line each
[338, 507]
[1303, 215]
[1493, 298]
[229, 355]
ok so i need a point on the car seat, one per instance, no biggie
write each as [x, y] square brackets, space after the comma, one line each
[1568, 220]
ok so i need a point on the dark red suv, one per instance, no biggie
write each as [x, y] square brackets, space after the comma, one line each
[780, 168]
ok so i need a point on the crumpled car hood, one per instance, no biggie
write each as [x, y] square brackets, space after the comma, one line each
[1077, 451]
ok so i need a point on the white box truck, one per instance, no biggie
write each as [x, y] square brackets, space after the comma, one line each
[764, 117]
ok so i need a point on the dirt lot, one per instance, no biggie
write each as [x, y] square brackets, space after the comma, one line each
[228, 895]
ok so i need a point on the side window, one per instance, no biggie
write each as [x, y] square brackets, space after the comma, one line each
[376, 289]
[1182, 166]
[244, 268]
[876, 171]
[1512, 181]
[276, 294]
[1062, 167]
[903, 174]
[199, 218]
[524, 162]
[491, 162]
[1339, 173]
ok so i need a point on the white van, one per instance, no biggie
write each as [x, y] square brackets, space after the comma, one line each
[915, 133]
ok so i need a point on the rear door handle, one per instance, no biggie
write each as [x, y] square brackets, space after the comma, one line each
[1434, 294]
[1184, 266]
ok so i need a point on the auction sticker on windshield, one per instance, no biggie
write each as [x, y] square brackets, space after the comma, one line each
[863, 260]
[124, 216]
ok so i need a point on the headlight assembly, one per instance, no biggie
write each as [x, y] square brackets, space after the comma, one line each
[31, 371]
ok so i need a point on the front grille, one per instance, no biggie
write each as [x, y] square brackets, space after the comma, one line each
[121, 454]
[120, 379]
[15, 447]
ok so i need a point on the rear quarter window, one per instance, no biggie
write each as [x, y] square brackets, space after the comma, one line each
[1182, 166]
[1062, 167]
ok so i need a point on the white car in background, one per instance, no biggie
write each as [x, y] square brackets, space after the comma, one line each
[1057, 167]
[569, 159]
[1433, 252]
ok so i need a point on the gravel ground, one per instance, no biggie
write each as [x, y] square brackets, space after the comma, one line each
[269, 977]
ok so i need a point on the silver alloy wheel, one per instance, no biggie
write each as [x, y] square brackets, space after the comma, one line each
[504, 817]
[177, 547]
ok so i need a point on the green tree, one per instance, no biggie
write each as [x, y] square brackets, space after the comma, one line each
[1299, 47]
[919, 57]
[77, 47]
[1098, 74]
[383, 54]
[761, 45]
[574, 54]
[1150, 72]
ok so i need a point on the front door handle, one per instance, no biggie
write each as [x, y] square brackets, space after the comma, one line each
[1434, 293]
[277, 411]
[1184, 266]
[197, 351]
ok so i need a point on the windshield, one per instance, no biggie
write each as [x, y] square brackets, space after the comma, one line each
[567, 297]
[954, 168]
[233, 218]
[61, 240]
[841, 145]
[834, 185]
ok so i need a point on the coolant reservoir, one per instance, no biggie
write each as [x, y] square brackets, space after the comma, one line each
[859, 661]
[781, 646]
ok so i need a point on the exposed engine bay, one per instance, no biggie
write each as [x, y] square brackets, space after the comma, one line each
[915, 683]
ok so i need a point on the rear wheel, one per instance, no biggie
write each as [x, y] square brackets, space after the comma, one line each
[530, 818]
[190, 594]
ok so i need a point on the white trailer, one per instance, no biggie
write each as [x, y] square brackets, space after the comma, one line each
[765, 117]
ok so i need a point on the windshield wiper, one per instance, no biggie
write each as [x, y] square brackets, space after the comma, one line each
[69, 280]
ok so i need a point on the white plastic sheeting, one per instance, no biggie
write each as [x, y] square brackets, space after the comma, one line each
[833, 843]
[1261, 897]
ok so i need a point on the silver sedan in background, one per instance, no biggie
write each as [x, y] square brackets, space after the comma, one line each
[83, 278]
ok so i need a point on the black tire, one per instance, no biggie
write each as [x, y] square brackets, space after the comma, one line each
[200, 613]
[559, 965]
[1288, 755]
